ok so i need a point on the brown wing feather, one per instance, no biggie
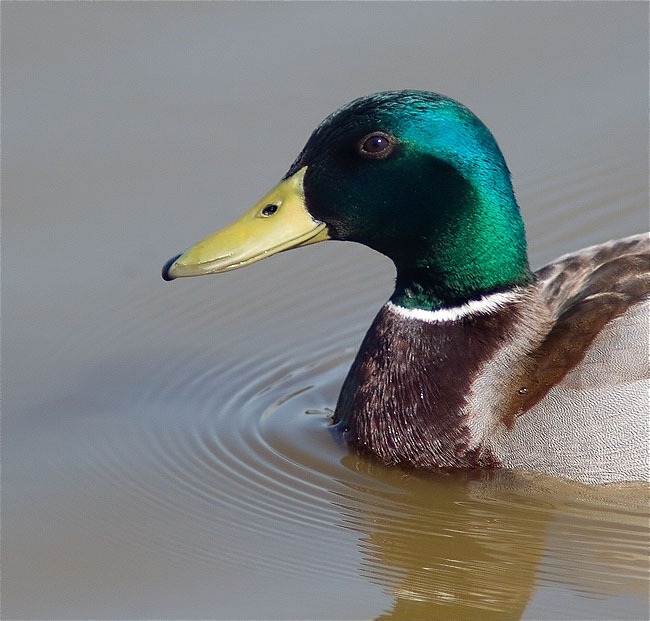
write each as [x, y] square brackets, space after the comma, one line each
[584, 292]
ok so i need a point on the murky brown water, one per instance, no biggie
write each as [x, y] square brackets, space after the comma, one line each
[165, 447]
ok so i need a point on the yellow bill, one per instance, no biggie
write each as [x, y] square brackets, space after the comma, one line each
[278, 222]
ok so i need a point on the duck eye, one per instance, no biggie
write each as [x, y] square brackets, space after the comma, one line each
[377, 145]
[268, 210]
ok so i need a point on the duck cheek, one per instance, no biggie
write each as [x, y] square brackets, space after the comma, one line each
[325, 204]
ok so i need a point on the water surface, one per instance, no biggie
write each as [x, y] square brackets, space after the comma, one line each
[165, 447]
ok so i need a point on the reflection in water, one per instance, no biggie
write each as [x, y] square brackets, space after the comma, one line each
[448, 547]
[476, 545]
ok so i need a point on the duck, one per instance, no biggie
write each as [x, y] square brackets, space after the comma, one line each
[475, 361]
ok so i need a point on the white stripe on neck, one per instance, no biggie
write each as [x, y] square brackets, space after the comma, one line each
[483, 306]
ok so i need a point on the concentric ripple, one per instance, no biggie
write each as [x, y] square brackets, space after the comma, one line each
[249, 444]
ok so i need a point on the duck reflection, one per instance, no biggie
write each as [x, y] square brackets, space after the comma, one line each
[462, 545]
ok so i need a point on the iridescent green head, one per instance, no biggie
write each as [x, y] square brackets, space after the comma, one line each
[413, 175]
[419, 178]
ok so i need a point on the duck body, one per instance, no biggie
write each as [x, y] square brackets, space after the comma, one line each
[552, 377]
[475, 361]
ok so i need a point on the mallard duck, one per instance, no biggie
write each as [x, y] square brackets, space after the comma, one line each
[475, 361]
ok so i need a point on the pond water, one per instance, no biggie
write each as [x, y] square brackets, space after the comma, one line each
[165, 447]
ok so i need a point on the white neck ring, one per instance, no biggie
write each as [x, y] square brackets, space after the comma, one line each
[483, 306]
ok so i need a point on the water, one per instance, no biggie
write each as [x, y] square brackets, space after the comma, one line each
[165, 447]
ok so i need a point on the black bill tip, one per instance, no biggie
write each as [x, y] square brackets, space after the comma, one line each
[165, 270]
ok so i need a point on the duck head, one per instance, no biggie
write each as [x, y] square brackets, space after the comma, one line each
[411, 174]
